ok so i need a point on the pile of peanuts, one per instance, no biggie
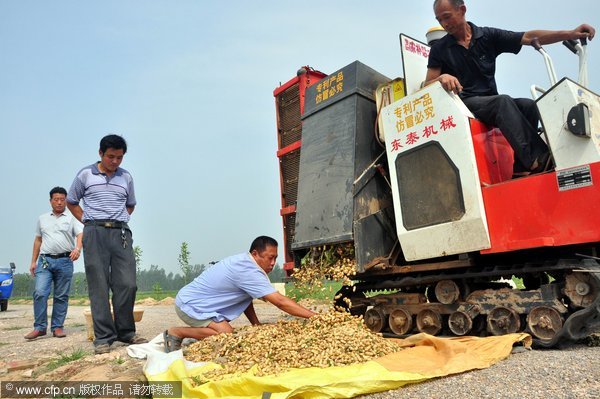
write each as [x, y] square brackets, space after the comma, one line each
[326, 263]
[327, 339]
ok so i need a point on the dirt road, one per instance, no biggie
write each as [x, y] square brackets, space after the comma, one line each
[44, 351]
[18, 321]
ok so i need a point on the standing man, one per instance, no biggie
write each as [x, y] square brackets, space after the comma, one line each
[464, 61]
[56, 245]
[225, 291]
[106, 191]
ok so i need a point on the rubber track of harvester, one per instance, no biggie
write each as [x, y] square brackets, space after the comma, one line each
[581, 323]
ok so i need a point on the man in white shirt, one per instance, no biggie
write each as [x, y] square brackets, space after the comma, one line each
[57, 243]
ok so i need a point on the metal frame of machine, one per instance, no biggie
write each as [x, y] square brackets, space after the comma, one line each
[461, 222]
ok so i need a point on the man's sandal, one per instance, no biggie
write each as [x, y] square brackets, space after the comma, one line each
[171, 342]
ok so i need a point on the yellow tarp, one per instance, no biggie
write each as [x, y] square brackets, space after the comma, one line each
[422, 357]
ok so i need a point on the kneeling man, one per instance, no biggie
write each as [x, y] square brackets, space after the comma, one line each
[225, 291]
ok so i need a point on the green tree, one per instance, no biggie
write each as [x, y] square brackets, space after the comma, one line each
[79, 284]
[184, 261]
[196, 270]
[76, 281]
[149, 277]
[23, 284]
[156, 288]
[277, 275]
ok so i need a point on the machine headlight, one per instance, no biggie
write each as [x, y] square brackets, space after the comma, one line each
[578, 121]
[7, 282]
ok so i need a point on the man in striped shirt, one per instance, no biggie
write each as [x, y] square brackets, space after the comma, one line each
[108, 198]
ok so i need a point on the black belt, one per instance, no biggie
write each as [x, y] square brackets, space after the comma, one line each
[109, 224]
[57, 256]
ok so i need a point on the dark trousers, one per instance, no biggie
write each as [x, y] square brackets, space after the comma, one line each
[518, 120]
[110, 266]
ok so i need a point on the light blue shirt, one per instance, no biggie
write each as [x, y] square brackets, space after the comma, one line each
[224, 291]
[58, 232]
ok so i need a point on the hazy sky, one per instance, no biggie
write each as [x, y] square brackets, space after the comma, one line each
[190, 85]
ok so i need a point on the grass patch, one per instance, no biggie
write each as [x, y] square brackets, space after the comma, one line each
[24, 300]
[326, 292]
[119, 360]
[75, 325]
[84, 299]
[156, 295]
[15, 328]
[76, 354]
[4, 343]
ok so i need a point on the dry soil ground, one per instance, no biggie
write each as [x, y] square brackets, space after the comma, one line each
[18, 321]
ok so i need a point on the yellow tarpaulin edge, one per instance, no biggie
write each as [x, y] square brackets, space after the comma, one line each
[422, 357]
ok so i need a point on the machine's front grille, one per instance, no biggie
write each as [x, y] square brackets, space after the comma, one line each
[290, 168]
[290, 126]
[290, 233]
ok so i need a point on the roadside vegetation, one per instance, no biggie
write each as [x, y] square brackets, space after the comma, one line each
[153, 282]
[335, 268]
[64, 358]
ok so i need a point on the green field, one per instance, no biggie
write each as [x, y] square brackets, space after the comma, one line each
[74, 299]
[326, 292]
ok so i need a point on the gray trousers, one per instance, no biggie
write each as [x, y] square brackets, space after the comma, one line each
[110, 266]
[518, 120]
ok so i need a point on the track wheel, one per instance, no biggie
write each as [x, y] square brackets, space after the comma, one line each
[429, 321]
[460, 323]
[581, 289]
[502, 320]
[447, 292]
[400, 321]
[375, 319]
[544, 322]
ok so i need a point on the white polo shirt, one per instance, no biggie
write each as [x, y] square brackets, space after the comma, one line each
[58, 232]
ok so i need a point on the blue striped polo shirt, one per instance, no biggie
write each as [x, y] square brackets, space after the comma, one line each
[103, 197]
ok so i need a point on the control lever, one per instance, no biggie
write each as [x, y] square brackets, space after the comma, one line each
[583, 72]
[581, 51]
[570, 44]
[549, 65]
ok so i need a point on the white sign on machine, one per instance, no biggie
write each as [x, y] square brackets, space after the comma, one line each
[434, 115]
[414, 62]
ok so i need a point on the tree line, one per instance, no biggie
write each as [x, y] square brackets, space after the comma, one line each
[154, 279]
